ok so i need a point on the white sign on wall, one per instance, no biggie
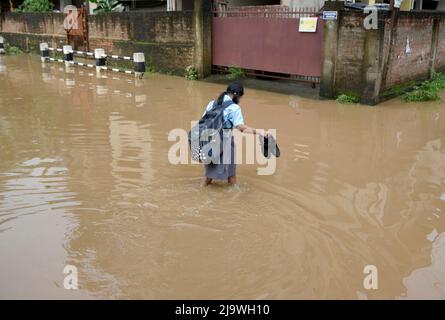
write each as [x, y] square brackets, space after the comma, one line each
[330, 15]
[398, 3]
[308, 24]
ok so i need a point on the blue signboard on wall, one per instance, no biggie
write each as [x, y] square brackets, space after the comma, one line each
[330, 15]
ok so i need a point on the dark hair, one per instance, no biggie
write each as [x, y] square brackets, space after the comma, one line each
[235, 88]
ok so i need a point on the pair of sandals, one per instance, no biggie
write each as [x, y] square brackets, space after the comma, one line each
[269, 146]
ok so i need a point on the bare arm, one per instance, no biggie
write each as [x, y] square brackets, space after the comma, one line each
[246, 129]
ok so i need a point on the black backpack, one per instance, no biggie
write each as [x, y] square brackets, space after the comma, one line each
[205, 138]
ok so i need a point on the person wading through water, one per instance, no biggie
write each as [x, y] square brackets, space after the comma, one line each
[233, 118]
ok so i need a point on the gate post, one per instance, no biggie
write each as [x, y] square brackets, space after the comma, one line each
[202, 20]
[329, 57]
[329, 50]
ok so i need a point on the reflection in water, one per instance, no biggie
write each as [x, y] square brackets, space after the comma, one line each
[131, 152]
[34, 215]
[428, 282]
[85, 180]
[2, 65]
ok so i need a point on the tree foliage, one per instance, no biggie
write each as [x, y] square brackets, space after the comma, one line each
[107, 6]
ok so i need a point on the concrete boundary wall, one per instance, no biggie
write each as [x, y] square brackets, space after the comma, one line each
[168, 39]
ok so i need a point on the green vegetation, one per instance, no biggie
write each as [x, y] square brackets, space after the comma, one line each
[150, 69]
[235, 73]
[427, 90]
[191, 73]
[57, 55]
[346, 98]
[12, 50]
[120, 64]
[399, 89]
[149, 65]
[35, 6]
[107, 6]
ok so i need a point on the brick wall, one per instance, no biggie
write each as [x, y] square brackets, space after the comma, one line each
[166, 38]
[376, 66]
[350, 52]
[411, 52]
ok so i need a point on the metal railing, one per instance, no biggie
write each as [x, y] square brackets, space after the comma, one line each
[265, 12]
[99, 55]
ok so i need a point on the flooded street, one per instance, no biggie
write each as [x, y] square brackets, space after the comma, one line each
[85, 181]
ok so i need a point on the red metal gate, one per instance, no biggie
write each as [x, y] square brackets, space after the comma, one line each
[267, 39]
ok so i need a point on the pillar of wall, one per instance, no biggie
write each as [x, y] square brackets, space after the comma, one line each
[329, 57]
[372, 66]
[329, 49]
[202, 20]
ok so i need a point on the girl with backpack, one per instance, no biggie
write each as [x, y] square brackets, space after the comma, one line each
[233, 118]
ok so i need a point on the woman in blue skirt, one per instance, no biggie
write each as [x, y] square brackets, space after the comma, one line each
[233, 118]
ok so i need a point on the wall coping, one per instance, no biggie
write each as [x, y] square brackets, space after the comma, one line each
[414, 14]
[128, 13]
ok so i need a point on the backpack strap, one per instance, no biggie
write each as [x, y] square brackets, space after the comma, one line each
[227, 104]
[224, 105]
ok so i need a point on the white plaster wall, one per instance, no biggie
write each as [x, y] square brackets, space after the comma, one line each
[297, 4]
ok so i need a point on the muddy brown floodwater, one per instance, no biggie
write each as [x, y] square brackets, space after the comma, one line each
[85, 181]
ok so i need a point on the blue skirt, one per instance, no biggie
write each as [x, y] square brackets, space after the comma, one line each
[226, 167]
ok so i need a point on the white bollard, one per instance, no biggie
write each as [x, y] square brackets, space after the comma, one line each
[99, 55]
[2, 46]
[44, 52]
[139, 64]
[68, 53]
